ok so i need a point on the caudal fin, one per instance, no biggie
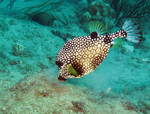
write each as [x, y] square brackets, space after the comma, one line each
[134, 32]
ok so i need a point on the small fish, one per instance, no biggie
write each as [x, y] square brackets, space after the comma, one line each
[82, 55]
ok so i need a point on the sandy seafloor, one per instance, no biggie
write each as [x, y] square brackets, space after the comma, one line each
[28, 82]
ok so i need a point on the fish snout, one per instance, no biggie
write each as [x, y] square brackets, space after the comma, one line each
[60, 78]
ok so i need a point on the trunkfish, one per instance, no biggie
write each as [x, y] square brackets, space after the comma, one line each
[82, 55]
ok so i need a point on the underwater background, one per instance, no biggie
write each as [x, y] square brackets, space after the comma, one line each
[32, 32]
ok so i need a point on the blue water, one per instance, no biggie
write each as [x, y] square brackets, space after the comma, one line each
[28, 49]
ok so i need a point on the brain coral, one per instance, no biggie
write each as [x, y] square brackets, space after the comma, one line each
[101, 11]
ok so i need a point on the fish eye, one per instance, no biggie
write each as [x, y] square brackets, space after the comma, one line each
[59, 63]
[94, 35]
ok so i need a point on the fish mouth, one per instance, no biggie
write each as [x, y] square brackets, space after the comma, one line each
[60, 78]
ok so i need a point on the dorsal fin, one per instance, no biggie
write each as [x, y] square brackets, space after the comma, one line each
[97, 26]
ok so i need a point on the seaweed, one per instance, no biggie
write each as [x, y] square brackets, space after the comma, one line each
[33, 10]
[57, 18]
[130, 9]
[90, 1]
[1, 1]
[11, 4]
[47, 19]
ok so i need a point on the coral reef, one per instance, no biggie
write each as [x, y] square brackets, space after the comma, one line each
[18, 49]
[1, 1]
[42, 17]
[32, 10]
[100, 11]
[130, 9]
[108, 1]
[11, 4]
[24, 89]
[47, 19]
[111, 12]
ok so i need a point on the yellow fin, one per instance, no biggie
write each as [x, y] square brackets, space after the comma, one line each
[117, 42]
[97, 26]
[72, 70]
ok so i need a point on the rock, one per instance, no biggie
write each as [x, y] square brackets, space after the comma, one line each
[18, 49]
[101, 11]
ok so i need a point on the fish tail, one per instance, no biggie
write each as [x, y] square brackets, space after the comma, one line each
[133, 31]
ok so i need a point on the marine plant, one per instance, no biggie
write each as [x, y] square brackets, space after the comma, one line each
[90, 1]
[110, 12]
[130, 9]
[98, 10]
[1, 1]
[11, 4]
[32, 10]
[47, 19]
[40, 14]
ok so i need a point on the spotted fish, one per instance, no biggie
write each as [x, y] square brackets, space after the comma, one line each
[82, 55]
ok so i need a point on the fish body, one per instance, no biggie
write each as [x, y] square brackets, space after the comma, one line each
[82, 55]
